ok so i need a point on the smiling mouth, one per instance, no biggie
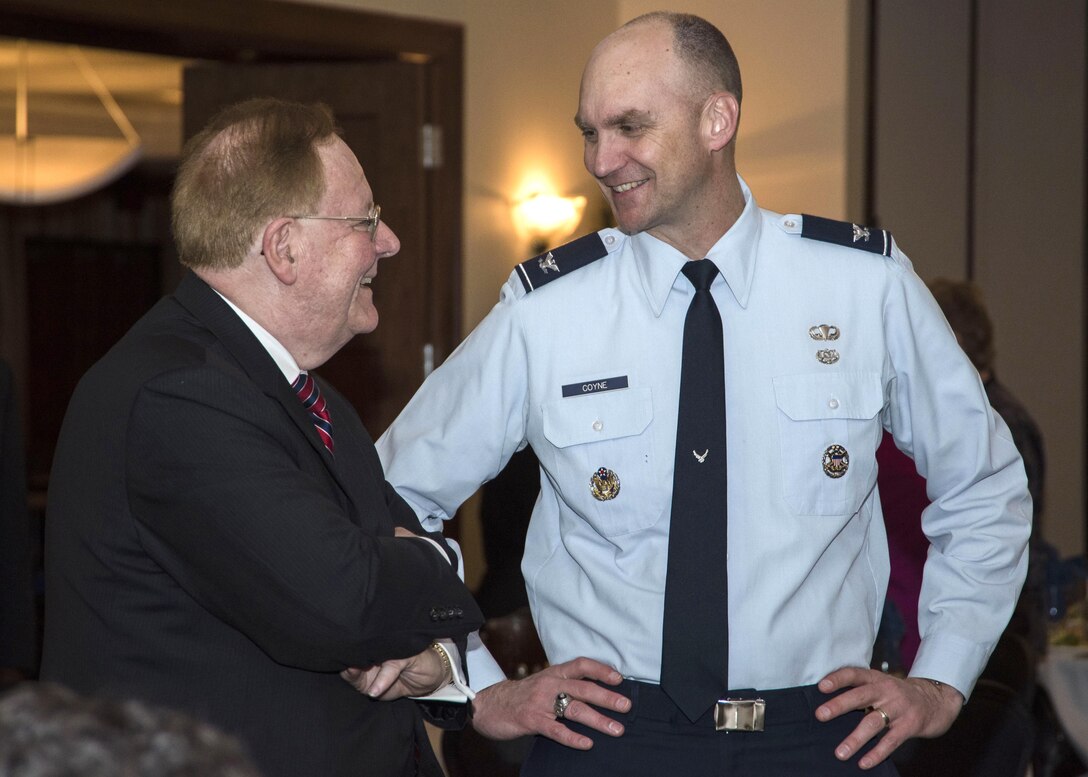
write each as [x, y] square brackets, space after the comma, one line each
[626, 187]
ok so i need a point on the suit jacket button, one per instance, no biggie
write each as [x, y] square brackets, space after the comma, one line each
[435, 613]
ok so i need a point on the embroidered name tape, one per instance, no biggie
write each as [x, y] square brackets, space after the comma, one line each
[595, 386]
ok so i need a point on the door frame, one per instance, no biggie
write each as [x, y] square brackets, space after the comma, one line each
[272, 31]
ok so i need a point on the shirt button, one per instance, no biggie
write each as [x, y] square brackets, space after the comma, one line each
[833, 403]
[597, 426]
[610, 239]
[790, 224]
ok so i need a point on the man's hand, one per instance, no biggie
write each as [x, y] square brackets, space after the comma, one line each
[515, 708]
[415, 676]
[915, 707]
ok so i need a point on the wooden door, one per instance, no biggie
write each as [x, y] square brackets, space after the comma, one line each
[380, 107]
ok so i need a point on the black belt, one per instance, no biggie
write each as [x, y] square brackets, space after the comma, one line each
[741, 710]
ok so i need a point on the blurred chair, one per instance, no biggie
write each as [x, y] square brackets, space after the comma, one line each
[992, 737]
[1013, 665]
[1053, 754]
[513, 641]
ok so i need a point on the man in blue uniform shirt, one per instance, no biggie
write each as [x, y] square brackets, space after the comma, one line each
[829, 338]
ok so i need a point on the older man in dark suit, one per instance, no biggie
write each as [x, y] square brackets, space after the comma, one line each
[221, 538]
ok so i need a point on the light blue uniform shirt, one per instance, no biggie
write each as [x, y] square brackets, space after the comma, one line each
[808, 558]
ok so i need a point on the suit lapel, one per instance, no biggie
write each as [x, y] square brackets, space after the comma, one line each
[208, 307]
[357, 461]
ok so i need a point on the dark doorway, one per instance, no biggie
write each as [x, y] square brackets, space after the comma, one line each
[419, 291]
[379, 108]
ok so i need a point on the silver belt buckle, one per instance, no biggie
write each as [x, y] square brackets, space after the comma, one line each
[739, 715]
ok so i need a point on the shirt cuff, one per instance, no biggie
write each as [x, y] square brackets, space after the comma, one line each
[457, 690]
[439, 548]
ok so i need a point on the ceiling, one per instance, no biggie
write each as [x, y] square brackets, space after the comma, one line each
[147, 88]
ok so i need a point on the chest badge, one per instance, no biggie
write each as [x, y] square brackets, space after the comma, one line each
[547, 262]
[836, 461]
[604, 485]
[827, 356]
[824, 332]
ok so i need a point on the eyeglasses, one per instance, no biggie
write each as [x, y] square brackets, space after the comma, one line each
[369, 223]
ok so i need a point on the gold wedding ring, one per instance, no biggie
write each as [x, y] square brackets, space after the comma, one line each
[883, 714]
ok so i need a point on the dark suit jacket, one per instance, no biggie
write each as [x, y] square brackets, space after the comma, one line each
[205, 552]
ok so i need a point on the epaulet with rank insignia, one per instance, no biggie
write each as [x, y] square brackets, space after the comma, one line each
[560, 261]
[878, 241]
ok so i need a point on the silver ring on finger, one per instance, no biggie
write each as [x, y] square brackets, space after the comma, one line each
[562, 701]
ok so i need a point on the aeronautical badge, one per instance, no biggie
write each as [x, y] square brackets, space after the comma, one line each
[604, 485]
[836, 461]
[827, 355]
[824, 332]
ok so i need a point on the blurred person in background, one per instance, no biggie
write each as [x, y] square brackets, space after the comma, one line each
[47, 730]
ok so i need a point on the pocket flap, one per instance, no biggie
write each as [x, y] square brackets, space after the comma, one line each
[813, 396]
[596, 417]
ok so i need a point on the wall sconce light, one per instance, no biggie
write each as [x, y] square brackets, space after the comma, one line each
[544, 219]
[66, 156]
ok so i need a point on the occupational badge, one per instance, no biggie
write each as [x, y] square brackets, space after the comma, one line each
[824, 332]
[827, 355]
[836, 461]
[604, 485]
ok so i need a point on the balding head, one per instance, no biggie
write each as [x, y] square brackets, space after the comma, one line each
[701, 47]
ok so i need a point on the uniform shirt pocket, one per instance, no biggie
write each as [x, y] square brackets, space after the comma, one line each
[821, 417]
[610, 430]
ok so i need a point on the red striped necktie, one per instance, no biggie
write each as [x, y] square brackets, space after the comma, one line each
[310, 395]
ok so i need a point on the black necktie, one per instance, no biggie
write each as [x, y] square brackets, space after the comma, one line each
[695, 653]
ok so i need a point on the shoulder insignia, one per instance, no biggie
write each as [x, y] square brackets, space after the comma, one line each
[878, 241]
[563, 260]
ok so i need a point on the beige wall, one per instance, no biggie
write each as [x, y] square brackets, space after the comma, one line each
[523, 62]
[793, 54]
[1030, 230]
[1027, 168]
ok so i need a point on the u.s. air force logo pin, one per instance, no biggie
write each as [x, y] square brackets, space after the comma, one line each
[604, 485]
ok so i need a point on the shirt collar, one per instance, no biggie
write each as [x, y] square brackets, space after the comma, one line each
[284, 360]
[734, 254]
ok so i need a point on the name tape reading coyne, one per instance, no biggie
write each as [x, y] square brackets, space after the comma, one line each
[595, 386]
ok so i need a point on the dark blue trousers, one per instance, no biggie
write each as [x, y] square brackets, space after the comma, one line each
[660, 742]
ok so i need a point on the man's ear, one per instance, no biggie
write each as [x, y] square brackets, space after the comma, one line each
[721, 116]
[276, 250]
